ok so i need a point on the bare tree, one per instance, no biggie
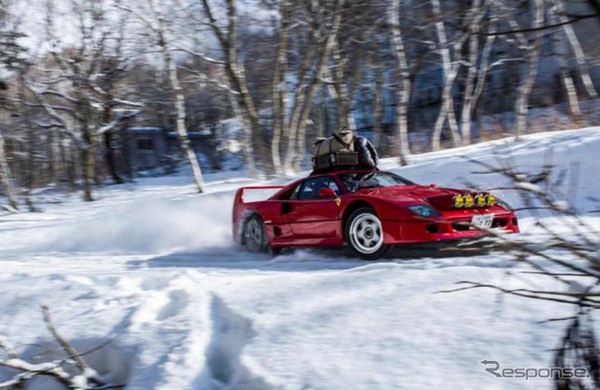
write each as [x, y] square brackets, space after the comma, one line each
[184, 141]
[560, 53]
[70, 91]
[304, 92]
[476, 69]
[236, 74]
[5, 176]
[9, 52]
[301, 112]
[377, 95]
[403, 84]
[278, 87]
[158, 27]
[450, 71]
[532, 59]
[580, 58]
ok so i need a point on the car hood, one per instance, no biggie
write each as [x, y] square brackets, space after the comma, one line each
[437, 197]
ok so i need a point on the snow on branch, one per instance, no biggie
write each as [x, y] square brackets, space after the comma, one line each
[201, 56]
[82, 377]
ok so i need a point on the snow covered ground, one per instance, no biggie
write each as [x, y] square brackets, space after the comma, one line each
[152, 268]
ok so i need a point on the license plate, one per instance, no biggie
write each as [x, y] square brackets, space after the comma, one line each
[483, 221]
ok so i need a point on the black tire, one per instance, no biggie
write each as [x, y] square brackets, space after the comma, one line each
[254, 236]
[364, 234]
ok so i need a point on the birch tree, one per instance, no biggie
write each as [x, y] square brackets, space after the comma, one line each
[580, 58]
[377, 96]
[236, 74]
[163, 42]
[560, 53]
[70, 92]
[9, 52]
[159, 29]
[532, 59]
[484, 67]
[450, 71]
[278, 86]
[403, 84]
[477, 67]
[311, 70]
[5, 176]
[347, 61]
[301, 112]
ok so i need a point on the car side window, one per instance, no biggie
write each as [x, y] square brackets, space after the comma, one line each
[333, 185]
[294, 194]
[310, 188]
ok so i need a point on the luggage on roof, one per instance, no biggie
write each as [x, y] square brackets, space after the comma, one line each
[334, 152]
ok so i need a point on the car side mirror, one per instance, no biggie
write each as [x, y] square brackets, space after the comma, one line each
[327, 193]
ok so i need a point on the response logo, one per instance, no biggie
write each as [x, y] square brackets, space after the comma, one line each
[495, 369]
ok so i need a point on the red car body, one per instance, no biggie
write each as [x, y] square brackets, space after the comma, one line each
[290, 221]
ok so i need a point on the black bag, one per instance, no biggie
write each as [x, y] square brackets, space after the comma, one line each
[330, 155]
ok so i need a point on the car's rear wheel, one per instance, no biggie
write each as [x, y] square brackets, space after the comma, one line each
[364, 234]
[254, 236]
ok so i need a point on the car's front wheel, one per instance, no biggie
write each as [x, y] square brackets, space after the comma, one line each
[364, 234]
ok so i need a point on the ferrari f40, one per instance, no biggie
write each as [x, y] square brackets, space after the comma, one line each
[369, 210]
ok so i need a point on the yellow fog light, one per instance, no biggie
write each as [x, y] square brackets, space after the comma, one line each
[469, 201]
[459, 201]
[481, 200]
[491, 200]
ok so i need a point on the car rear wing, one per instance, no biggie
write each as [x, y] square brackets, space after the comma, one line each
[239, 195]
[239, 208]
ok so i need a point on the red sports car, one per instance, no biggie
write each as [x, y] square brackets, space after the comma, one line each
[369, 210]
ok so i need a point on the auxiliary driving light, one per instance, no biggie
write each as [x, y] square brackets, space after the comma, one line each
[469, 201]
[491, 200]
[481, 200]
[459, 201]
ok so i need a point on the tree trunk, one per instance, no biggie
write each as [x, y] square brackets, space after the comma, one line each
[485, 58]
[450, 72]
[468, 100]
[110, 139]
[324, 58]
[278, 87]
[182, 136]
[344, 84]
[582, 64]
[111, 158]
[377, 98]
[566, 80]
[533, 55]
[88, 162]
[403, 84]
[236, 73]
[5, 177]
[246, 134]
[300, 90]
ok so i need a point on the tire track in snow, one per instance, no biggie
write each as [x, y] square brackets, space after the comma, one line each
[230, 334]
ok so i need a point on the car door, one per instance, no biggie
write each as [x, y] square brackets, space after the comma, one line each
[310, 216]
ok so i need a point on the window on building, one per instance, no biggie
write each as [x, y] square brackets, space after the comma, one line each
[145, 144]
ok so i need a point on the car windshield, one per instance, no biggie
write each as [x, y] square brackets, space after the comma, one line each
[355, 181]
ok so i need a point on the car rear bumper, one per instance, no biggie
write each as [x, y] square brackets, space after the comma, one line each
[404, 232]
